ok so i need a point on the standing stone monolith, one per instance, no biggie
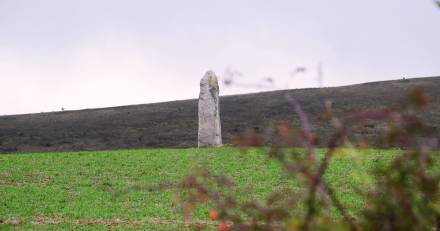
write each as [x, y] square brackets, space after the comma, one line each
[209, 112]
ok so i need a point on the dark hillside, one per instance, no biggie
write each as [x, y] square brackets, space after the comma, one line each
[174, 124]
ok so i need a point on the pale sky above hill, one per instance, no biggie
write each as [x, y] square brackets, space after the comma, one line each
[99, 53]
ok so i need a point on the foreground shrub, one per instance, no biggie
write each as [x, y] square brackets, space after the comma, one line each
[403, 195]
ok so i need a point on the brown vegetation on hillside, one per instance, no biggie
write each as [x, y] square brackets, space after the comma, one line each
[174, 124]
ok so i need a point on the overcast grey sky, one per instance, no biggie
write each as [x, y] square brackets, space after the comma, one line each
[98, 53]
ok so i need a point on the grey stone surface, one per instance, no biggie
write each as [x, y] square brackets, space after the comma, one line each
[209, 112]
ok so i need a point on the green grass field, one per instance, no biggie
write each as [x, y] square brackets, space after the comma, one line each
[118, 189]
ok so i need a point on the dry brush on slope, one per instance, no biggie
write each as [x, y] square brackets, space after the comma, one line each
[174, 124]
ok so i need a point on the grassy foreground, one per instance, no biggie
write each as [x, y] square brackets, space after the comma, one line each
[118, 189]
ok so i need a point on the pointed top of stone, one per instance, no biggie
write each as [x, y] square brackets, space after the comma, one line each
[209, 79]
[209, 72]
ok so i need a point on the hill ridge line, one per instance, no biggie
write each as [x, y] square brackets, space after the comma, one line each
[226, 96]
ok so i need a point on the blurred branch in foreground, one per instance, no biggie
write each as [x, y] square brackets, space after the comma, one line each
[402, 194]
